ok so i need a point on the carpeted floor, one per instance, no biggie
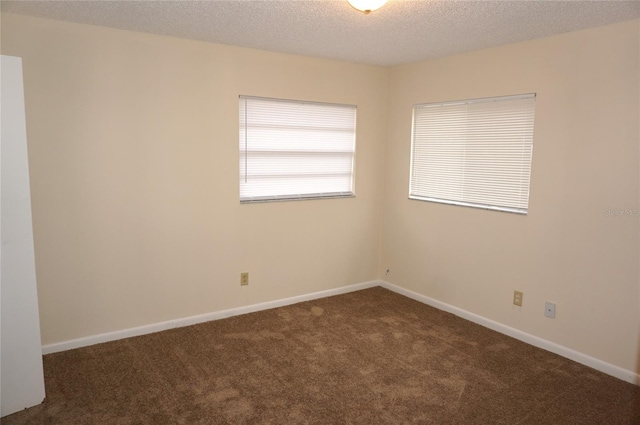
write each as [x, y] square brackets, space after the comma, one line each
[368, 357]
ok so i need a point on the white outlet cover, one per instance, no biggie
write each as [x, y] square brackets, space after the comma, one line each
[550, 310]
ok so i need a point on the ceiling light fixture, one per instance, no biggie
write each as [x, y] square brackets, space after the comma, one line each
[367, 6]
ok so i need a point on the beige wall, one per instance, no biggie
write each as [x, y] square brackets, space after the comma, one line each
[133, 144]
[585, 162]
[133, 155]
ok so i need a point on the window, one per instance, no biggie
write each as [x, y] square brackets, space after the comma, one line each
[474, 153]
[295, 150]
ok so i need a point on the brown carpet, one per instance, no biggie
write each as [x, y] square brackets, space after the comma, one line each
[368, 357]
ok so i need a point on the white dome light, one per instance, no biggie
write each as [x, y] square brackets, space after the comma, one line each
[367, 6]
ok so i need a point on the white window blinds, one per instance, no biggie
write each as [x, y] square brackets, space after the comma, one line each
[474, 153]
[295, 150]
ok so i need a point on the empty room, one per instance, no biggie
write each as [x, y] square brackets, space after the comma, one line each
[320, 212]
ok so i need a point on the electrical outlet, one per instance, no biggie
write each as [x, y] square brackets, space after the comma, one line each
[550, 310]
[517, 298]
[244, 279]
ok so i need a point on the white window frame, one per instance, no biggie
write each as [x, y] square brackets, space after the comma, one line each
[295, 150]
[475, 153]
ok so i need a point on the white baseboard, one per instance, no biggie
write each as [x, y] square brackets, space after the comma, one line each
[602, 366]
[177, 323]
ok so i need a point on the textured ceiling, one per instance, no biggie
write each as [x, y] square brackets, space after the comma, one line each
[402, 31]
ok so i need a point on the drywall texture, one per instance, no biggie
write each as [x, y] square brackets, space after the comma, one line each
[579, 244]
[133, 152]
